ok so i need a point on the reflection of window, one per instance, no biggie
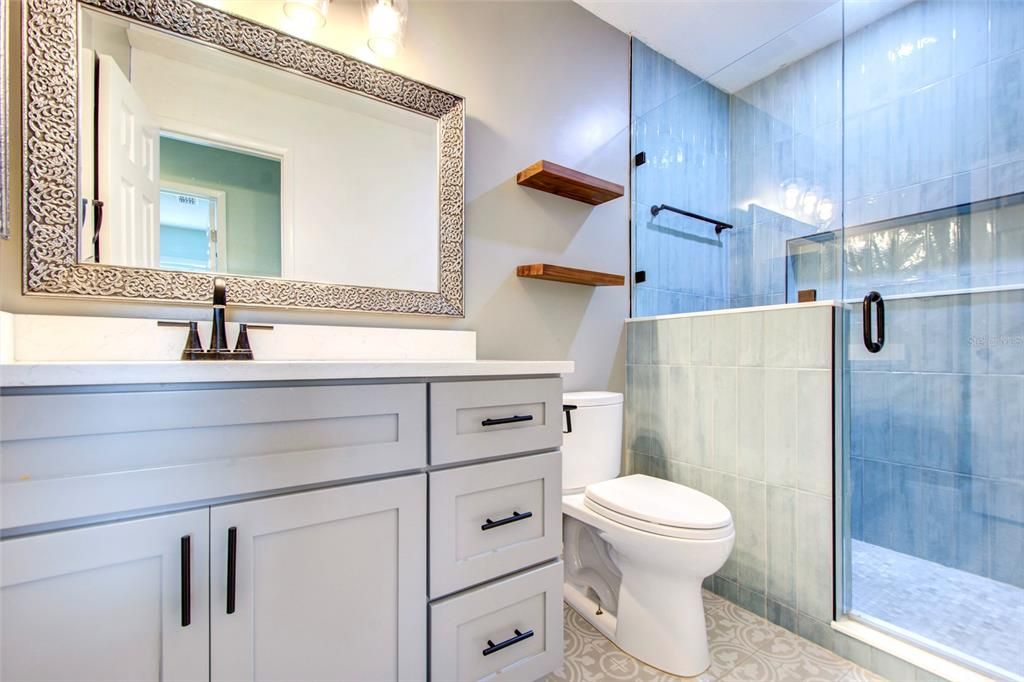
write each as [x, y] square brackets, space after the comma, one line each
[191, 219]
[238, 207]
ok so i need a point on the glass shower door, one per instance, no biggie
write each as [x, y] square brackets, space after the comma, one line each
[934, 318]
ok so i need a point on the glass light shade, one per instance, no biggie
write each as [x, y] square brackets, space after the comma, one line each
[385, 22]
[307, 13]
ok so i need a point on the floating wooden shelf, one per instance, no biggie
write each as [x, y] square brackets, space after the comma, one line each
[565, 182]
[559, 273]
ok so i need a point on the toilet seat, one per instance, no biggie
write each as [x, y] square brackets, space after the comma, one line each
[661, 507]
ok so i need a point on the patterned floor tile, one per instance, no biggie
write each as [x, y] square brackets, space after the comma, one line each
[743, 648]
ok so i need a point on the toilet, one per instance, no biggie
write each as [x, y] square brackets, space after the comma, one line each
[636, 548]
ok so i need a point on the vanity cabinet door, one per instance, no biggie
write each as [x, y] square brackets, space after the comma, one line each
[106, 602]
[322, 585]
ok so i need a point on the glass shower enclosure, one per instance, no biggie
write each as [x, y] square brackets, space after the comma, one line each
[873, 156]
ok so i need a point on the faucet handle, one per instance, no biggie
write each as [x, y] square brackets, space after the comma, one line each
[193, 344]
[243, 351]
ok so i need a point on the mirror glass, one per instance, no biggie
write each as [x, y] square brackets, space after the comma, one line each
[193, 159]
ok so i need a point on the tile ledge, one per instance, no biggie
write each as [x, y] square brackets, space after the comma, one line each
[914, 655]
[738, 311]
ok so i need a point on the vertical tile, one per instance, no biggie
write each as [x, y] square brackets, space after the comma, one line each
[750, 516]
[782, 545]
[814, 556]
[1006, 85]
[678, 333]
[725, 328]
[781, 337]
[814, 440]
[780, 427]
[814, 336]
[701, 413]
[879, 497]
[639, 348]
[1007, 26]
[750, 431]
[724, 489]
[751, 601]
[724, 416]
[750, 351]
[783, 616]
[681, 426]
[701, 339]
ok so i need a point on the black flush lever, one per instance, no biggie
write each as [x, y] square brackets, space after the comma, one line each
[568, 409]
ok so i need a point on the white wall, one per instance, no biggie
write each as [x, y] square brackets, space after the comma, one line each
[359, 178]
[541, 80]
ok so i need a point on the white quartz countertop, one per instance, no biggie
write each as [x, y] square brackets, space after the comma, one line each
[24, 374]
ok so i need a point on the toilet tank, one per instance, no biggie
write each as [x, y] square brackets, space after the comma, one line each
[592, 452]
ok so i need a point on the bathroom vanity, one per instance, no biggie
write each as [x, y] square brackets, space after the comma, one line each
[185, 526]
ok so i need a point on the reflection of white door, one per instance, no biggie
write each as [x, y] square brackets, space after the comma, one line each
[129, 172]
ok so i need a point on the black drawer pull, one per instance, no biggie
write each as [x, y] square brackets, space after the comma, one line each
[516, 516]
[519, 636]
[507, 420]
[232, 568]
[186, 581]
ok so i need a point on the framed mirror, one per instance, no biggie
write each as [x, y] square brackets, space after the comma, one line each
[167, 142]
[5, 158]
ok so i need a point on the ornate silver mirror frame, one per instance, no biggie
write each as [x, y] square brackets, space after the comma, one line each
[5, 157]
[50, 103]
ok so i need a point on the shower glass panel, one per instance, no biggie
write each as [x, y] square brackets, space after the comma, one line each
[753, 154]
[933, 167]
[874, 152]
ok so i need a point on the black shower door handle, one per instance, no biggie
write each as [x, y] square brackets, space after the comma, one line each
[872, 341]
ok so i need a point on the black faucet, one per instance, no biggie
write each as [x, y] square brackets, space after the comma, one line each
[218, 349]
[219, 335]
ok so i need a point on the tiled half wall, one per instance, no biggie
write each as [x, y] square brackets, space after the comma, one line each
[740, 405]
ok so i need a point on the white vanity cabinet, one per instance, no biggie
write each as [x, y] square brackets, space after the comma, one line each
[282, 531]
[124, 601]
[324, 585]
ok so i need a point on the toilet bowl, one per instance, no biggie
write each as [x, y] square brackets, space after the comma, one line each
[636, 548]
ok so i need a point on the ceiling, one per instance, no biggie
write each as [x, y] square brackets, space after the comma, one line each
[706, 36]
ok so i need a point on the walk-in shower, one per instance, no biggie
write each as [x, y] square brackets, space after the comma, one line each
[876, 160]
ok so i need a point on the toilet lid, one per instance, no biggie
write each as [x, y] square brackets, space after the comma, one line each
[656, 501]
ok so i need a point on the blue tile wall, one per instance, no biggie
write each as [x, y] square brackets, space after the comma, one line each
[922, 109]
[937, 443]
[682, 124]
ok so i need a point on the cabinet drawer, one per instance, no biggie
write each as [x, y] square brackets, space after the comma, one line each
[79, 455]
[508, 630]
[491, 519]
[477, 419]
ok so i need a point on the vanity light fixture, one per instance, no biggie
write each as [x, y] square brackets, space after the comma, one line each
[385, 20]
[308, 14]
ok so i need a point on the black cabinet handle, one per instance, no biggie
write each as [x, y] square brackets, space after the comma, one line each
[870, 343]
[232, 554]
[518, 637]
[516, 516]
[186, 581]
[507, 420]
